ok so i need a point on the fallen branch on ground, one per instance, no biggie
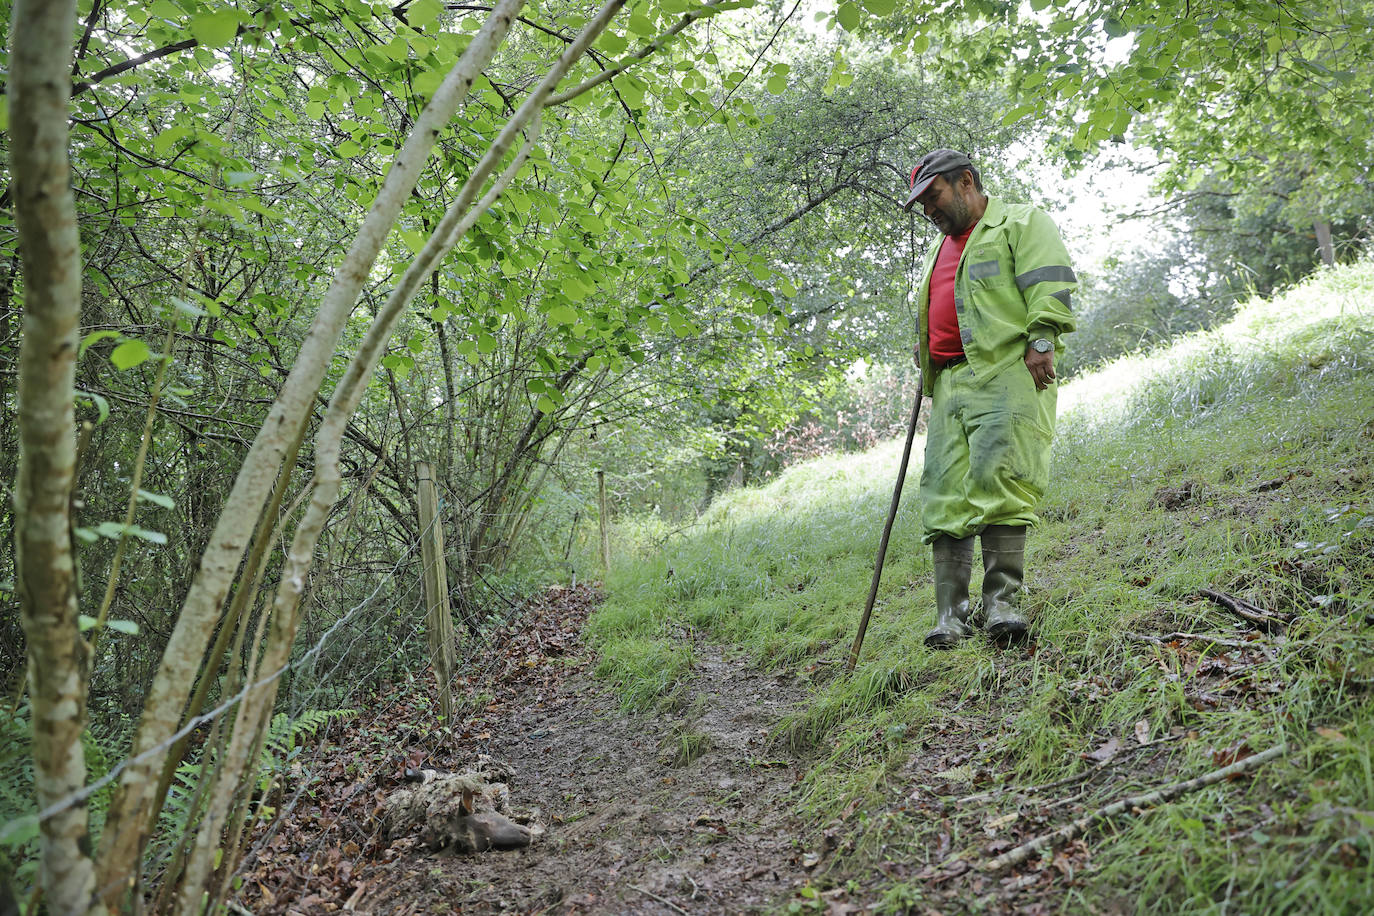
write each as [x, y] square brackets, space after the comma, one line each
[1191, 637]
[1149, 799]
[1245, 610]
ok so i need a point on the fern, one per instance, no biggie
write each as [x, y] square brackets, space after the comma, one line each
[16, 765]
[18, 809]
[285, 732]
[179, 813]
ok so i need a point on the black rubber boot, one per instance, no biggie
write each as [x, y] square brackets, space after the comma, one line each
[1004, 569]
[953, 563]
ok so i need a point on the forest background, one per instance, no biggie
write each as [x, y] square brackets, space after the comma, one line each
[648, 251]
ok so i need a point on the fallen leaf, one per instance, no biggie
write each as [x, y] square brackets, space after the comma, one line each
[1227, 756]
[1142, 731]
[1105, 752]
[1331, 734]
[997, 823]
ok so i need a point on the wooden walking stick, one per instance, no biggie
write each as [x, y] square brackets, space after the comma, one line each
[887, 529]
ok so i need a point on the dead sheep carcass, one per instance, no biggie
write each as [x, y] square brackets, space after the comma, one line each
[459, 811]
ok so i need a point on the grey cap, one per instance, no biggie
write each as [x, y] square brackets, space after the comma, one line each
[932, 165]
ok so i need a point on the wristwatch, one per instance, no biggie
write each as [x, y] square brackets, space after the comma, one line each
[1042, 345]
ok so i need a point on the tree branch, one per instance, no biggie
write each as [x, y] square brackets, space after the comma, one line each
[1147, 800]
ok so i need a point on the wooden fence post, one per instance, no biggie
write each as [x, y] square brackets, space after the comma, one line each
[605, 522]
[437, 612]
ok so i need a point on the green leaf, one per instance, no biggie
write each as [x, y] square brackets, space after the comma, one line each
[423, 12]
[93, 337]
[156, 498]
[129, 354]
[546, 404]
[4, 113]
[123, 626]
[165, 9]
[216, 29]
[777, 84]
[116, 530]
[427, 82]
[880, 7]
[101, 405]
[187, 307]
[612, 43]
[486, 343]
[562, 314]
[631, 92]
[1017, 114]
[848, 16]
[163, 142]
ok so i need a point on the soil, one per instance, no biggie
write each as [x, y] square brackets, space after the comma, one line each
[627, 827]
[669, 812]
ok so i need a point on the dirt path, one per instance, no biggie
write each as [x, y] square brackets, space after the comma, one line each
[687, 811]
[630, 828]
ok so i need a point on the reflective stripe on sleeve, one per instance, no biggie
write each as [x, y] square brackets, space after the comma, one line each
[1053, 273]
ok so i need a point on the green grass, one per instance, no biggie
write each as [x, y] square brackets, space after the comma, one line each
[1240, 459]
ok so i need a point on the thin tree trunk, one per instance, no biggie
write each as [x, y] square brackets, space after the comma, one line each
[45, 212]
[1324, 246]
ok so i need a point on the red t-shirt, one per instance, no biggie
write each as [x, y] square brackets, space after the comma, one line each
[945, 342]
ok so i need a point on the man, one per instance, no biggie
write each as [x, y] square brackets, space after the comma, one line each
[993, 307]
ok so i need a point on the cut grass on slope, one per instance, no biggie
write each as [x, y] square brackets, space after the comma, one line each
[1238, 460]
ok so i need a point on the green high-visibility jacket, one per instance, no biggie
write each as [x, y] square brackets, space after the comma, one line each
[1013, 286]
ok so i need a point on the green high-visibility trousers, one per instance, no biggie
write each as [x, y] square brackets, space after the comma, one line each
[987, 451]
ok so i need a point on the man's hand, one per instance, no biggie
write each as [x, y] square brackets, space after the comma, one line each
[1041, 366]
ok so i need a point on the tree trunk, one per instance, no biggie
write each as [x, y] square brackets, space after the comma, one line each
[1324, 246]
[45, 213]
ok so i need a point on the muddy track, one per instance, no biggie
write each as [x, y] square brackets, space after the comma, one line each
[688, 811]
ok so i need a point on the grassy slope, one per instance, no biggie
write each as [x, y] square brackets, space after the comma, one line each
[1240, 459]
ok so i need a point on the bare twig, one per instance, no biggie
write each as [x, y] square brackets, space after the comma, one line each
[1191, 637]
[1245, 610]
[668, 903]
[1149, 799]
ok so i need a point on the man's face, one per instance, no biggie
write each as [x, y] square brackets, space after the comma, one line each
[947, 205]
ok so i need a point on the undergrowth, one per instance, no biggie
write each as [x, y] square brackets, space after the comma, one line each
[1238, 460]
